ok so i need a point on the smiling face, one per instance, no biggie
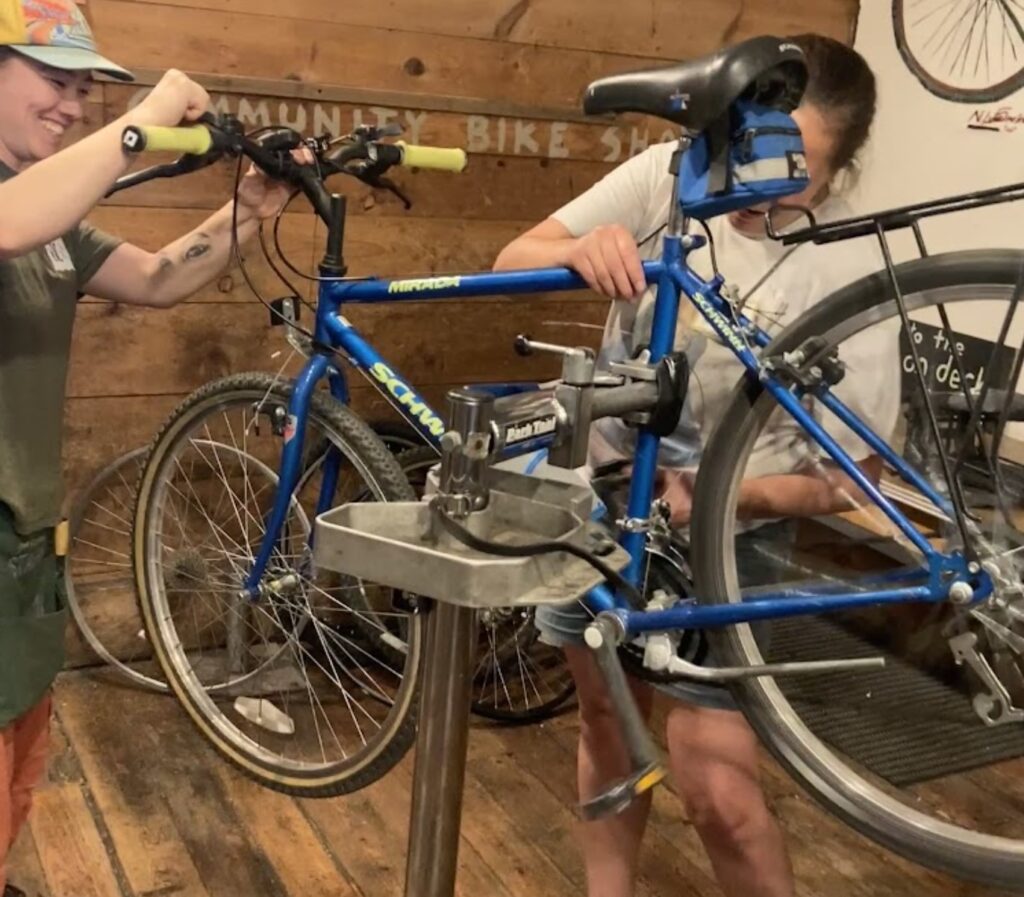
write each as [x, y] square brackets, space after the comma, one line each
[819, 148]
[37, 106]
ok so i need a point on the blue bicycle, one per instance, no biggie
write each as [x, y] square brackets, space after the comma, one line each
[306, 679]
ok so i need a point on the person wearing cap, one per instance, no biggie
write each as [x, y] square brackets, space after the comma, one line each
[48, 258]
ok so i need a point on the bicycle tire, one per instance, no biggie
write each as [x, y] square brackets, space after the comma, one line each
[843, 791]
[933, 84]
[132, 463]
[396, 734]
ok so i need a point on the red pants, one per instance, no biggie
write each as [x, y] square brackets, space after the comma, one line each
[22, 764]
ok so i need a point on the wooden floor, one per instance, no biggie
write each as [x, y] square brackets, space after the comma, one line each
[137, 805]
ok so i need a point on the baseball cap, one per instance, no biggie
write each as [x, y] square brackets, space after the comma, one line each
[55, 33]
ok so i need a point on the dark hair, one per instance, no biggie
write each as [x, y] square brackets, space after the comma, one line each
[842, 86]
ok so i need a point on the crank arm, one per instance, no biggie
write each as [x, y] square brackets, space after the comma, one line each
[603, 637]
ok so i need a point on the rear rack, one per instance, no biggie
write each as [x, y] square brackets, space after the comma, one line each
[892, 219]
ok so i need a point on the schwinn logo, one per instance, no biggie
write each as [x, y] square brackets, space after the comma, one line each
[530, 429]
[790, 47]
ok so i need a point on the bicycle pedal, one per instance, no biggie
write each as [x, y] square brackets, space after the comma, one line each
[622, 794]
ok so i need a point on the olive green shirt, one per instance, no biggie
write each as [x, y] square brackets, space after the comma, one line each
[38, 295]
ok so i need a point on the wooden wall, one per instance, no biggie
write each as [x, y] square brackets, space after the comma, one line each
[500, 77]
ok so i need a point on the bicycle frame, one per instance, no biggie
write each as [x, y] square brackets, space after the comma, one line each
[673, 278]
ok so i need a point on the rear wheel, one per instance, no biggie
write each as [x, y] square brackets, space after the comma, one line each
[920, 755]
[98, 573]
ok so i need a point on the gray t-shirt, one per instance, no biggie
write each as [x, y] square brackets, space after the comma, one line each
[637, 195]
[38, 295]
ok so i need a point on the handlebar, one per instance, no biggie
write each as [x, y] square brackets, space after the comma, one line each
[436, 157]
[195, 140]
[200, 139]
[361, 155]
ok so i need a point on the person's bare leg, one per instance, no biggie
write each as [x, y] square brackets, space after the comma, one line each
[610, 846]
[714, 761]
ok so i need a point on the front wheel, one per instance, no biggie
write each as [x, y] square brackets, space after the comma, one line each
[295, 687]
[919, 756]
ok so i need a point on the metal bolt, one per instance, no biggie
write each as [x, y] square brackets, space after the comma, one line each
[973, 567]
[960, 593]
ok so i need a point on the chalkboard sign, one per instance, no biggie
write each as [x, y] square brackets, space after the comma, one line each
[980, 365]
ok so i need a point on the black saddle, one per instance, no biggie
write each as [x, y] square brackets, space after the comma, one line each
[767, 70]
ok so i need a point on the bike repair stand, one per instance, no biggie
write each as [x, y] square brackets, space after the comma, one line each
[450, 649]
[421, 548]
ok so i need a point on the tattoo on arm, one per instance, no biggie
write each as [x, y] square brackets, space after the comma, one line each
[199, 248]
[164, 267]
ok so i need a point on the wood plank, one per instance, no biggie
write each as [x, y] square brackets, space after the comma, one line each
[368, 833]
[392, 246]
[278, 827]
[71, 850]
[521, 790]
[181, 775]
[492, 188]
[127, 792]
[646, 28]
[330, 53]
[23, 867]
[98, 430]
[477, 132]
[162, 352]
[672, 852]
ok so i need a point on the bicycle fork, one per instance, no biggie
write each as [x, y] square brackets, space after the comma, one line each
[291, 468]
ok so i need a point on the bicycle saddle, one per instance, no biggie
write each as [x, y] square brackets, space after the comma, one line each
[766, 70]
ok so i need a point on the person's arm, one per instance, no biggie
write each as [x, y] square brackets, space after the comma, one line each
[596, 233]
[137, 277]
[826, 491]
[606, 257]
[50, 197]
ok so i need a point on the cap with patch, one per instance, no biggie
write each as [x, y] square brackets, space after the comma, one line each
[55, 33]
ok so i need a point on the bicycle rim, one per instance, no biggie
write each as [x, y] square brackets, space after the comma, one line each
[902, 753]
[287, 687]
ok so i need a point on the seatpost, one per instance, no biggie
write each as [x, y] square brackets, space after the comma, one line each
[676, 220]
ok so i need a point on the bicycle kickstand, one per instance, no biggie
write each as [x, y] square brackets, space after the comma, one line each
[603, 637]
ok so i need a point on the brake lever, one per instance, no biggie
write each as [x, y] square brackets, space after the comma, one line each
[183, 165]
[389, 185]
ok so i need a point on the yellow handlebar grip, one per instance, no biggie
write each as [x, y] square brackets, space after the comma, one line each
[194, 139]
[438, 157]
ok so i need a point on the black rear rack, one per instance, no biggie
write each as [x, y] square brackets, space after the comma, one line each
[893, 219]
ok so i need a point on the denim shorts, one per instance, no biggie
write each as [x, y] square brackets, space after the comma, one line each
[761, 558]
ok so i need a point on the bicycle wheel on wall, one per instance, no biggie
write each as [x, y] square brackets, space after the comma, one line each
[289, 688]
[965, 51]
[98, 573]
[921, 756]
